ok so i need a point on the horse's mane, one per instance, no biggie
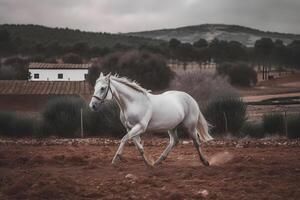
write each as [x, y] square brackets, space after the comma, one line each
[132, 84]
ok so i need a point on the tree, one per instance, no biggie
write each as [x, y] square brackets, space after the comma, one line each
[279, 53]
[72, 58]
[7, 46]
[235, 51]
[186, 52]
[294, 53]
[81, 48]
[263, 49]
[4, 36]
[174, 43]
[54, 48]
[201, 43]
[149, 69]
[217, 49]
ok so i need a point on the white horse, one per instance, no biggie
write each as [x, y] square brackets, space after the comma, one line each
[141, 111]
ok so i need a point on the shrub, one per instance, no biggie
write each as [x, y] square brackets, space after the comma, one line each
[8, 73]
[23, 125]
[226, 113]
[62, 115]
[293, 126]
[5, 122]
[104, 122]
[273, 123]
[14, 68]
[149, 69]
[240, 74]
[16, 125]
[252, 129]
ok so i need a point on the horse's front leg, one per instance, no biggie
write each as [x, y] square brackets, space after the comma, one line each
[137, 142]
[135, 131]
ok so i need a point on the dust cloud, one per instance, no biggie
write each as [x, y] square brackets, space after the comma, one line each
[221, 158]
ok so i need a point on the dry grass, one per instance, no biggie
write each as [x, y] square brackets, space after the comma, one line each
[202, 86]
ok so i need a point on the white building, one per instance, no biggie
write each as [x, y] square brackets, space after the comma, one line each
[58, 72]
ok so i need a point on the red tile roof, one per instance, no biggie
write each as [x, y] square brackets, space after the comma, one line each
[34, 65]
[16, 87]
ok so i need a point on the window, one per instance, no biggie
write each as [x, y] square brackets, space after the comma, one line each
[36, 76]
[60, 76]
[85, 76]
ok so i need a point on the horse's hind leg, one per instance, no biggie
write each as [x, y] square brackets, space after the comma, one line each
[173, 141]
[197, 145]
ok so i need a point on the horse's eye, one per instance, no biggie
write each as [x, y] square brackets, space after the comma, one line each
[102, 89]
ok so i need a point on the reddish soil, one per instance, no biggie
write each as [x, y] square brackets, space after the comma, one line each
[81, 169]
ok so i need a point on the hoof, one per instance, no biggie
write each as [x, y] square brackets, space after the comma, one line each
[206, 163]
[116, 160]
[149, 166]
[157, 163]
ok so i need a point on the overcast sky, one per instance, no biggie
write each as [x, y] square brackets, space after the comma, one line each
[138, 15]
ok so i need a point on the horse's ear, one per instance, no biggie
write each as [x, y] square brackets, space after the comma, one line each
[108, 75]
[101, 75]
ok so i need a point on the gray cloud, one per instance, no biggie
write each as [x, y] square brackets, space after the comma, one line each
[138, 15]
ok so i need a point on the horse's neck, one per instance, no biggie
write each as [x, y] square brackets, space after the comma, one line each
[124, 94]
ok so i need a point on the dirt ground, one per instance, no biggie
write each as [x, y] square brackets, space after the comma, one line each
[81, 169]
[283, 85]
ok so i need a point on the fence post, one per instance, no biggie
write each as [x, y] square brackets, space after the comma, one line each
[285, 124]
[81, 123]
[226, 126]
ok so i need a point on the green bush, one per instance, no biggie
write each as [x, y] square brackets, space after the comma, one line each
[273, 123]
[61, 116]
[23, 125]
[293, 126]
[16, 125]
[104, 122]
[14, 68]
[226, 113]
[252, 129]
[5, 122]
[240, 73]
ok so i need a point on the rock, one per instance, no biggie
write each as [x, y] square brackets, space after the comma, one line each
[131, 177]
[203, 193]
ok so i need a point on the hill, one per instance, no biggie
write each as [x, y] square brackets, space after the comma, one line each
[244, 35]
[36, 34]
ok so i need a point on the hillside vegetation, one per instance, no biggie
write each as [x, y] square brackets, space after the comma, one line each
[246, 36]
[39, 37]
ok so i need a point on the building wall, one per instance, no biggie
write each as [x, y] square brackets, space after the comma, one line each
[52, 74]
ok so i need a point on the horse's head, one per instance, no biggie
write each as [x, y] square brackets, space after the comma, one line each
[102, 92]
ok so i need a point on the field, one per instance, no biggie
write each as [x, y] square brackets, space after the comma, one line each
[81, 169]
[280, 89]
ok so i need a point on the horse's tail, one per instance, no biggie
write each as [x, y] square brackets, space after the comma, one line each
[203, 128]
